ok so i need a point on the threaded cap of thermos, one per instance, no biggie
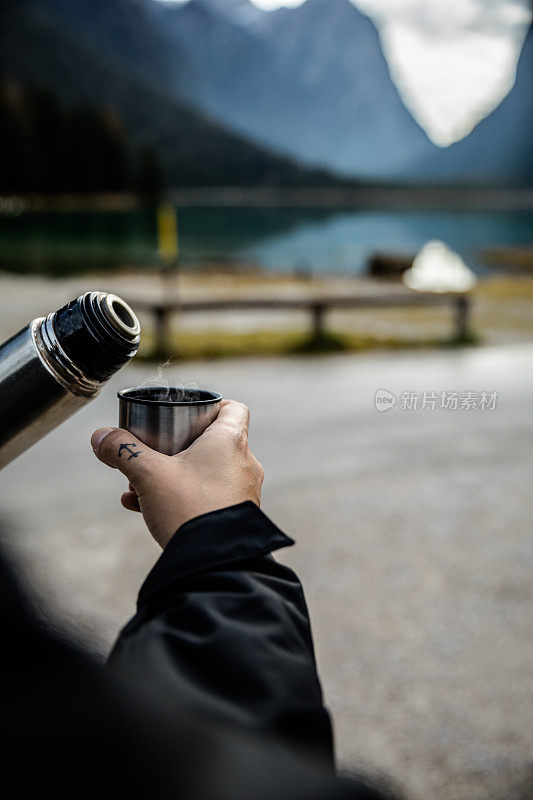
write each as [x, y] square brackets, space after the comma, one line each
[99, 332]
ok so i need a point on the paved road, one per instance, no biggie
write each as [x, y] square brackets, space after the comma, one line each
[414, 546]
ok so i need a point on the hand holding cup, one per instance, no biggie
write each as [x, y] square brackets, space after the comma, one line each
[217, 470]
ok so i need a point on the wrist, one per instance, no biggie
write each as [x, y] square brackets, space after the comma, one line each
[231, 534]
[196, 510]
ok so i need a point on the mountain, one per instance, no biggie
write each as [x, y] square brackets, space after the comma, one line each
[313, 83]
[309, 81]
[291, 79]
[243, 12]
[131, 33]
[191, 149]
[333, 52]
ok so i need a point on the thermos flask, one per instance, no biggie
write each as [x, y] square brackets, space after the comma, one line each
[56, 364]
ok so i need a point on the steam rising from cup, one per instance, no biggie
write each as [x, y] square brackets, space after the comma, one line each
[159, 381]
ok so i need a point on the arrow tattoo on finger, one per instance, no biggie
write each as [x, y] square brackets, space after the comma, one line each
[127, 448]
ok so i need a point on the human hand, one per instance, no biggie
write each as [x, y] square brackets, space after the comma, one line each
[216, 471]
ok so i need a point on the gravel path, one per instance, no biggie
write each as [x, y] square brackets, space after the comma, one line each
[414, 547]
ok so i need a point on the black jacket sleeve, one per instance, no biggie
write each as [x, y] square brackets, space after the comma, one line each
[223, 629]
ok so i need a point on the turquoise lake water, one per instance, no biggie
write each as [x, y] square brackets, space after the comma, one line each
[335, 241]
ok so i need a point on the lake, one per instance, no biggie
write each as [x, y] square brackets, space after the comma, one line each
[318, 240]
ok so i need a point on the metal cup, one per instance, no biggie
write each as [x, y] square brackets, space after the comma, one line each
[167, 419]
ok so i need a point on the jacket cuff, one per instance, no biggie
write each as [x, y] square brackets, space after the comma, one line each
[231, 534]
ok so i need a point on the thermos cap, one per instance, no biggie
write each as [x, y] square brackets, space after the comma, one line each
[99, 332]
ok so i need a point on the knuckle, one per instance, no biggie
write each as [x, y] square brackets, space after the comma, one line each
[236, 435]
[238, 404]
[245, 411]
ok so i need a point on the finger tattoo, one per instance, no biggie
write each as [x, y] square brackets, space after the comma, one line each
[127, 448]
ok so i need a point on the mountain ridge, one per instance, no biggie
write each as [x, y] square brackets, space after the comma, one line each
[260, 81]
[310, 83]
[192, 149]
[389, 134]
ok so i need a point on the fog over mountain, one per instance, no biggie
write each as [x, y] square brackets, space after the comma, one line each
[500, 148]
[309, 82]
[453, 62]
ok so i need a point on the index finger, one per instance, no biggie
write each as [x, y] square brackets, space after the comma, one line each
[234, 414]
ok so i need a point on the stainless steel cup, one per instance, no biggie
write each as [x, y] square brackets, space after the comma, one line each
[167, 419]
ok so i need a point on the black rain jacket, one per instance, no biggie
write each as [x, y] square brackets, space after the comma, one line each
[211, 691]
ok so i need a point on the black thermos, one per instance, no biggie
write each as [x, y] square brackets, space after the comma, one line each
[56, 364]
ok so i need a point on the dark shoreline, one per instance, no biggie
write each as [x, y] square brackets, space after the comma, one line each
[364, 197]
[397, 198]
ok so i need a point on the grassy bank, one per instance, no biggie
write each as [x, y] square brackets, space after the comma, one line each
[218, 344]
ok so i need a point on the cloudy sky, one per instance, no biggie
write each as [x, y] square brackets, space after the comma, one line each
[452, 60]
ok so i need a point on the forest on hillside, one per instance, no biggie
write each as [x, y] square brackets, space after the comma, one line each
[49, 146]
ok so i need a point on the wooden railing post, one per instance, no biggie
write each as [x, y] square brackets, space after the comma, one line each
[162, 330]
[462, 317]
[317, 321]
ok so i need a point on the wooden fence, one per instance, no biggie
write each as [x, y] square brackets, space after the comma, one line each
[317, 307]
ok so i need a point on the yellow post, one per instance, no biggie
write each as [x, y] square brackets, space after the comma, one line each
[167, 234]
[168, 250]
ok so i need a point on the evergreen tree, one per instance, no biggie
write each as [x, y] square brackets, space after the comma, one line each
[47, 141]
[15, 147]
[149, 183]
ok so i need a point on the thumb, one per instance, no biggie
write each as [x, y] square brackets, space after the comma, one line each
[119, 448]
